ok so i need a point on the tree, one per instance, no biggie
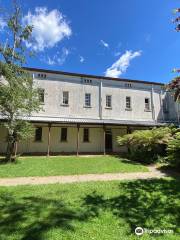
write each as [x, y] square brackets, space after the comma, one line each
[174, 85]
[18, 97]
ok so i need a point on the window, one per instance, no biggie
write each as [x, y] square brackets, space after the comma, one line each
[86, 135]
[65, 98]
[87, 100]
[63, 134]
[128, 102]
[38, 134]
[41, 75]
[108, 101]
[147, 104]
[87, 81]
[128, 85]
[41, 95]
[165, 105]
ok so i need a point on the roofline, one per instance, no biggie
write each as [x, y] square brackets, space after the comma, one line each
[90, 76]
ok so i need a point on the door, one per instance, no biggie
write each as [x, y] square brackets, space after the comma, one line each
[108, 140]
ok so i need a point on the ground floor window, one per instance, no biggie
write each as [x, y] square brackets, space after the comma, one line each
[38, 134]
[63, 134]
[86, 135]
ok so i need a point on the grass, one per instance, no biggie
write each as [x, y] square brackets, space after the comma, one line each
[52, 166]
[101, 210]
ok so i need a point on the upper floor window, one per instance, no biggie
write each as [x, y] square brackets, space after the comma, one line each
[108, 101]
[41, 75]
[165, 105]
[128, 85]
[65, 98]
[147, 104]
[88, 81]
[41, 95]
[63, 134]
[128, 102]
[86, 135]
[87, 100]
[38, 134]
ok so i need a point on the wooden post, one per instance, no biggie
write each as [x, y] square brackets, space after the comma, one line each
[49, 139]
[77, 153]
[104, 139]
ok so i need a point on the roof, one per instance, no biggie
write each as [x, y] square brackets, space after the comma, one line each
[56, 120]
[90, 76]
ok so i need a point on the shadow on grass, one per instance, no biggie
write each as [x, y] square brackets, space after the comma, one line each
[31, 217]
[146, 203]
[152, 204]
[124, 159]
[170, 171]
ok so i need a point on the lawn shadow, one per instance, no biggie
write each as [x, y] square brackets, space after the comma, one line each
[124, 159]
[32, 217]
[169, 171]
[152, 204]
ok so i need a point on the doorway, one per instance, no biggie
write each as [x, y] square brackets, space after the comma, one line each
[108, 140]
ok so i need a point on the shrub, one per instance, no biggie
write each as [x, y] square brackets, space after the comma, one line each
[173, 150]
[146, 145]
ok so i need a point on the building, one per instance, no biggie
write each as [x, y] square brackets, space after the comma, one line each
[85, 114]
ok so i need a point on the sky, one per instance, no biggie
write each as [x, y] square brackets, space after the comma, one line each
[132, 39]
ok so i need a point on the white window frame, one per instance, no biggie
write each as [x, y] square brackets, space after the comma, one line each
[87, 100]
[108, 101]
[128, 103]
[65, 100]
[147, 104]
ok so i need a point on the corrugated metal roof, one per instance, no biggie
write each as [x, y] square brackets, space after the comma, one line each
[55, 119]
[92, 121]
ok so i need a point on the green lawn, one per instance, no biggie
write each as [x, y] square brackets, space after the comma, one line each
[97, 210]
[43, 166]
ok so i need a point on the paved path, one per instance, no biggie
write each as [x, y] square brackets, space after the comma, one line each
[153, 173]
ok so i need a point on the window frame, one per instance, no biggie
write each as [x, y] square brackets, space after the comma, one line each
[64, 98]
[62, 138]
[128, 103]
[147, 104]
[87, 100]
[165, 106]
[36, 136]
[41, 94]
[85, 135]
[109, 100]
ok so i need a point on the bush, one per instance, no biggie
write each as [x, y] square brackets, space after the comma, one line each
[147, 145]
[173, 150]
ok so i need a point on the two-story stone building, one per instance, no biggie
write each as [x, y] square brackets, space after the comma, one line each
[85, 114]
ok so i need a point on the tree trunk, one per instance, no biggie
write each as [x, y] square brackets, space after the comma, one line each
[10, 149]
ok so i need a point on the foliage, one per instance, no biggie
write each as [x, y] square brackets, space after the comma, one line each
[173, 150]
[146, 145]
[18, 98]
[174, 87]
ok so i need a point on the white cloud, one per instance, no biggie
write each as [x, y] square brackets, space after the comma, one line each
[49, 28]
[81, 59]
[105, 44]
[59, 58]
[2, 24]
[121, 65]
